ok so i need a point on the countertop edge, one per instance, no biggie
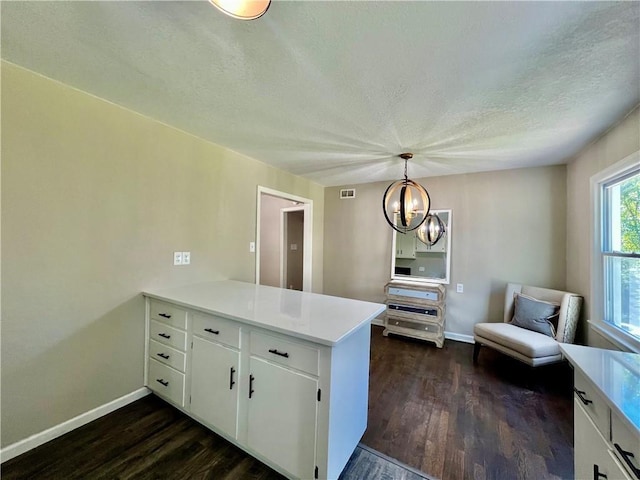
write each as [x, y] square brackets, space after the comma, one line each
[610, 402]
[291, 333]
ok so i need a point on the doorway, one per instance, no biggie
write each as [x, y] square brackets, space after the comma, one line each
[283, 240]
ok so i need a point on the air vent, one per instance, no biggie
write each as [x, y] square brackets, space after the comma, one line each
[347, 193]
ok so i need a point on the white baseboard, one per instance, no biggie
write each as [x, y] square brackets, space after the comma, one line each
[459, 337]
[56, 431]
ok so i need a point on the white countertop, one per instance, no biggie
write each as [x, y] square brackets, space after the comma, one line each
[319, 318]
[615, 374]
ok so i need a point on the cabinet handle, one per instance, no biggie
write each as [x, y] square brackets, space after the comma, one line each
[165, 315]
[162, 382]
[627, 456]
[163, 355]
[581, 394]
[231, 382]
[251, 379]
[215, 332]
[596, 473]
[164, 335]
[276, 352]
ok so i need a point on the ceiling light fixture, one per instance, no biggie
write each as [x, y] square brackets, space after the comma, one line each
[410, 202]
[242, 9]
[431, 230]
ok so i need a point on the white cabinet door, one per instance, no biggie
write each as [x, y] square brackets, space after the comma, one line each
[282, 417]
[592, 458]
[214, 385]
[406, 245]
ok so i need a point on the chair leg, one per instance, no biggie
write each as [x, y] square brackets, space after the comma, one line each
[476, 351]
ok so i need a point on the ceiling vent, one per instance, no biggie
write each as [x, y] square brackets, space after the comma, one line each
[347, 193]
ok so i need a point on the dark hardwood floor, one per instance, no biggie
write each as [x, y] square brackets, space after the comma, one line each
[435, 411]
[430, 408]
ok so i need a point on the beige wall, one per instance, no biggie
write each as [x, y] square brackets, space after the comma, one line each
[618, 143]
[95, 199]
[507, 226]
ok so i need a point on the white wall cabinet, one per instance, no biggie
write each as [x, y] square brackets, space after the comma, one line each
[295, 398]
[406, 245]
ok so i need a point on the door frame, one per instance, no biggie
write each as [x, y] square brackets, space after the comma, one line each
[307, 257]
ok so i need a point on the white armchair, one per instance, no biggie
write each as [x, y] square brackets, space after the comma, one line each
[528, 346]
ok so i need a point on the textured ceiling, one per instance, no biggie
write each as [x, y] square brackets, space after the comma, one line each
[333, 91]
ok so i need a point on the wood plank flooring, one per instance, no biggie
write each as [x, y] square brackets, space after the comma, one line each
[149, 439]
[435, 411]
[430, 409]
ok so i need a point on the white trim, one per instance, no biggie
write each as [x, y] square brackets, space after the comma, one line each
[459, 337]
[595, 245]
[307, 274]
[56, 431]
[617, 336]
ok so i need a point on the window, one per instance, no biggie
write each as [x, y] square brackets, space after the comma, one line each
[617, 284]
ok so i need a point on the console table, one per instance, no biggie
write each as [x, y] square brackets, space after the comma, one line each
[415, 309]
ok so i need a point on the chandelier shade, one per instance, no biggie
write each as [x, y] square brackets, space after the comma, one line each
[431, 230]
[242, 9]
[405, 203]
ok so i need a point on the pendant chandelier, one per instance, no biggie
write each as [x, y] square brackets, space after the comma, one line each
[431, 230]
[405, 203]
[242, 9]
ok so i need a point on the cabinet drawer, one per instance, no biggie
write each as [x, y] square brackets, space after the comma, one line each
[166, 381]
[408, 324]
[592, 402]
[623, 438]
[169, 314]
[284, 352]
[165, 354]
[216, 328]
[168, 335]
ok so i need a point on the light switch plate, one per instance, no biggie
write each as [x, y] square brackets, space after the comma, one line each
[252, 247]
[177, 258]
[186, 258]
[460, 288]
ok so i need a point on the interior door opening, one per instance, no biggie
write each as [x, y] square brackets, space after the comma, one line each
[283, 240]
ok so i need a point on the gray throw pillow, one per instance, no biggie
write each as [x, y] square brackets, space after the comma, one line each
[535, 315]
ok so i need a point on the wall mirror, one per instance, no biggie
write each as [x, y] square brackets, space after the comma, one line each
[413, 260]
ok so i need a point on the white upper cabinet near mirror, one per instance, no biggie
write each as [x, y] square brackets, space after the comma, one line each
[413, 260]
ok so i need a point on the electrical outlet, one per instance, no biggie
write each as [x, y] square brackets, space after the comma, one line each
[252, 247]
[177, 258]
[460, 288]
[186, 258]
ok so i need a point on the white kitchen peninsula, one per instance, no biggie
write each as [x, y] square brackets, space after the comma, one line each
[282, 374]
[606, 412]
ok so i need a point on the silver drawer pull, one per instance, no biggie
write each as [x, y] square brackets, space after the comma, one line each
[162, 382]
